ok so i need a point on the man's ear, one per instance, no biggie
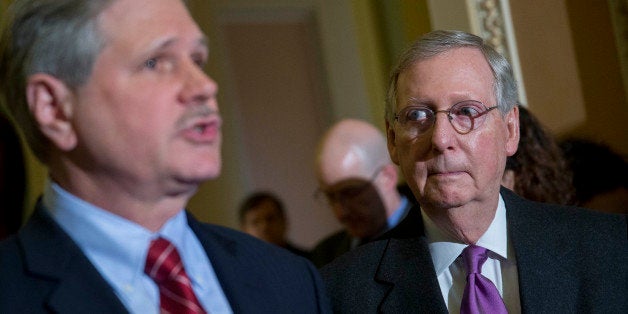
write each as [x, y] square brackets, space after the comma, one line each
[512, 125]
[51, 104]
[389, 172]
[390, 140]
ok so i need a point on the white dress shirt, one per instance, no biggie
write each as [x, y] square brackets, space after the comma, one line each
[500, 267]
[118, 247]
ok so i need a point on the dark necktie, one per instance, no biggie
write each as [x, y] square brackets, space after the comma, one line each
[163, 265]
[480, 294]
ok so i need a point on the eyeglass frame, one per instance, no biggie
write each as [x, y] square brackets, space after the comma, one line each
[450, 116]
[321, 194]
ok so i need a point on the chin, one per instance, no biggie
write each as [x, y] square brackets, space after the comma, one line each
[196, 176]
[445, 198]
[206, 175]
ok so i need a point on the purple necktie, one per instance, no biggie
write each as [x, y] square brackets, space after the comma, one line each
[480, 294]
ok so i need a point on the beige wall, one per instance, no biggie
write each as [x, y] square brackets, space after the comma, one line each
[566, 50]
[571, 69]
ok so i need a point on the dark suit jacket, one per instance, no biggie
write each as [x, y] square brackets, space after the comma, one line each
[339, 243]
[331, 247]
[43, 270]
[569, 260]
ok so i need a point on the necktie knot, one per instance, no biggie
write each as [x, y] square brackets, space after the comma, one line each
[164, 266]
[163, 261]
[474, 257]
[480, 294]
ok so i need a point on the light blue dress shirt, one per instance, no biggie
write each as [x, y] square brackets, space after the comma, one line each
[118, 247]
[391, 221]
[399, 214]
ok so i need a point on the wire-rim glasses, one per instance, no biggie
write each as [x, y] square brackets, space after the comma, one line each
[464, 116]
[350, 190]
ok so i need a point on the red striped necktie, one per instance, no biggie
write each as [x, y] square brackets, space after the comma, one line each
[164, 266]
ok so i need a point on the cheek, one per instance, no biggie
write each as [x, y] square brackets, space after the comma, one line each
[489, 155]
[412, 156]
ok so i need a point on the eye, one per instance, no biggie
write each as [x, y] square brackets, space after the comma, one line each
[200, 60]
[161, 64]
[150, 63]
[467, 109]
[418, 114]
[200, 63]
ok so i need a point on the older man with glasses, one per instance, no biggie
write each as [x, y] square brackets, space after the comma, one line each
[359, 182]
[474, 247]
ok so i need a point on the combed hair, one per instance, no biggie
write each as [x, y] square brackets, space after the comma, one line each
[57, 37]
[437, 42]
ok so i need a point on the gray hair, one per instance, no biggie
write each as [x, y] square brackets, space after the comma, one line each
[437, 42]
[57, 37]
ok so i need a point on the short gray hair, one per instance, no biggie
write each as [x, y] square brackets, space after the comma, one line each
[437, 42]
[57, 37]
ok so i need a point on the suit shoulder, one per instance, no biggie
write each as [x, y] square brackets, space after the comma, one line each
[585, 228]
[361, 260]
[333, 238]
[244, 244]
[576, 219]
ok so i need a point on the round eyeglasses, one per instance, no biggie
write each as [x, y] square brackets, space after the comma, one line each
[464, 116]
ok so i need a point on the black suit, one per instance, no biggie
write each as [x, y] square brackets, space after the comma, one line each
[341, 241]
[568, 260]
[331, 247]
[43, 270]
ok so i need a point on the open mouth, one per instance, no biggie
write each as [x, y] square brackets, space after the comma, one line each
[203, 131]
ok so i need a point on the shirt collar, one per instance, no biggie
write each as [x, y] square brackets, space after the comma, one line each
[444, 249]
[399, 213]
[117, 246]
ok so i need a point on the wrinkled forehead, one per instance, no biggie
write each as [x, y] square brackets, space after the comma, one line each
[146, 17]
[451, 76]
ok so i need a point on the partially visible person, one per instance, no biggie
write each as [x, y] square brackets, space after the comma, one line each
[538, 171]
[263, 216]
[113, 99]
[600, 175]
[474, 246]
[359, 182]
[12, 178]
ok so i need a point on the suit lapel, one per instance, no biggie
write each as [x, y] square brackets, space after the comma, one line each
[545, 272]
[242, 286]
[406, 267]
[75, 285]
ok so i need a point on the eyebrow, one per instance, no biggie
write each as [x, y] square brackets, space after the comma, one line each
[419, 102]
[167, 42]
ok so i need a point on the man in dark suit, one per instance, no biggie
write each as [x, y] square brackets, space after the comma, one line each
[359, 183]
[113, 99]
[473, 246]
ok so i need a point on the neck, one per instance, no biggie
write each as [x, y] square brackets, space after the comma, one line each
[144, 204]
[466, 224]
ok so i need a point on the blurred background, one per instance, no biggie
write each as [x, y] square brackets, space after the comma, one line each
[287, 69]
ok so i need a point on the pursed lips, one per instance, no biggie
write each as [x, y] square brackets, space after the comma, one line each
[443, 173]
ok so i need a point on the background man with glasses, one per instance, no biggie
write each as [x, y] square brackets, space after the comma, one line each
[359, 182]
[474, 247]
